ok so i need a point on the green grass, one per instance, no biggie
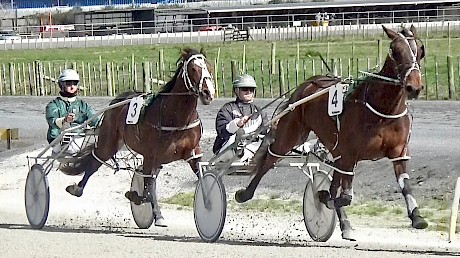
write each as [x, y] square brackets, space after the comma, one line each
[363, 53]
[436, 212]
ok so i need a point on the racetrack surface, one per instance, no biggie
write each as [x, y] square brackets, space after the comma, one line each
[100, 222]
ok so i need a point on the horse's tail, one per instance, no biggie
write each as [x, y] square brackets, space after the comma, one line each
[77, 164]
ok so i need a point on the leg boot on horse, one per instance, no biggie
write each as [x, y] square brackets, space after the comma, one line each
[343, 182]
[149, 195]
[413, 213]
[152, 197]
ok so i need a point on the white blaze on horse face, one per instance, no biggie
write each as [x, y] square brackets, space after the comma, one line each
[205, 76]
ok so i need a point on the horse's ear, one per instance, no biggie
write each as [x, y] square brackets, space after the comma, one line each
[203, 51]
[183, 53]
[413, 30]
[422, 55]
[390, 33]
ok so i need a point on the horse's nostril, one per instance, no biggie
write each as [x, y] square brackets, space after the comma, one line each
[409, 88]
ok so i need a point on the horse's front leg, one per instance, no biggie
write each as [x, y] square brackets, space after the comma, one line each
[194, 159]
[412, 209]
[340, 195]
[248, 193]
[344, 198]
[151, 184]
[90, 165]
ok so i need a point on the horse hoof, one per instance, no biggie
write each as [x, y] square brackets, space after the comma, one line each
[240, 196]
[133, 197]
[348, 235]
[160, 222]
[419, 223]
[74, 190]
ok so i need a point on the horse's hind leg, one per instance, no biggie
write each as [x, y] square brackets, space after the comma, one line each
[412, 209]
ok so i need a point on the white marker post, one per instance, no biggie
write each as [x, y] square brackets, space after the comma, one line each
[454, 212]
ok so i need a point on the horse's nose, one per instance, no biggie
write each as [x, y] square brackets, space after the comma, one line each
[413, 91]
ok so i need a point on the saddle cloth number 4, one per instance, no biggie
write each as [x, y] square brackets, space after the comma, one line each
[335, 104]
[134, 110]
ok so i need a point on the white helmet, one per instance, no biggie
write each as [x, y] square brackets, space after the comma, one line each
[244, 80]
[69, 75]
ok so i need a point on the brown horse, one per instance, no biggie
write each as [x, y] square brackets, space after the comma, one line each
[374, 124]
[169, 130]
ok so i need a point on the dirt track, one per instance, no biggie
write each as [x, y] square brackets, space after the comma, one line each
[101, 223]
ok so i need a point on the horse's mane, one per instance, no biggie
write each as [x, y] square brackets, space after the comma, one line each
[186, 53]
[125, 95]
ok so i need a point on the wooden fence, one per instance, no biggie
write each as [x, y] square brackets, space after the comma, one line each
[273, 77]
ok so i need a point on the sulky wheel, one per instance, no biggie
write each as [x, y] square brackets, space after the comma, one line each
[210, 206]
[319, 220]
[37, 197]
[143, 213]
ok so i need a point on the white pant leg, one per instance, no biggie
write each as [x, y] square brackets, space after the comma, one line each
[75, 145]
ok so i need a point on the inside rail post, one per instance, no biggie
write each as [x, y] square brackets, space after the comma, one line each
[8, 139]
[454, 211]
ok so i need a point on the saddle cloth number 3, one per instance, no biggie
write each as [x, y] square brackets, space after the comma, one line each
[335, 104]
[134, 110]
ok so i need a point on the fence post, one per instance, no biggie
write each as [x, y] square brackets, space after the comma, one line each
[281, 77]
[100, 75]
[234, 69]
[1, 81]
[83, 78]
[273, 58]
[12, 82]
[108, 71]
[450, 76]
[162, 65]
[436, 74]
[146, 75]
[334, 67]
[40, 79]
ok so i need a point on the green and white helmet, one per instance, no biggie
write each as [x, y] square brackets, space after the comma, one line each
[244, 81]
[69, 75]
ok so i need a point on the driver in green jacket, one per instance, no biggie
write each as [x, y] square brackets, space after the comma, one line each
[67, 110]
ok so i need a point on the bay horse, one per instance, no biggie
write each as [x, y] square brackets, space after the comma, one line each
[169, 130]
[374, 124]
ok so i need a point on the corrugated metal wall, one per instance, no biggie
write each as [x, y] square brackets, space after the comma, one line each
[50, 3]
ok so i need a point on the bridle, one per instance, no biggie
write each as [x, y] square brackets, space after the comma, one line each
[197, 87]
[399, 81]
[413, 64]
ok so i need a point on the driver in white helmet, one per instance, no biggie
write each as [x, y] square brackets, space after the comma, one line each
[240, 113]
[67, 110]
